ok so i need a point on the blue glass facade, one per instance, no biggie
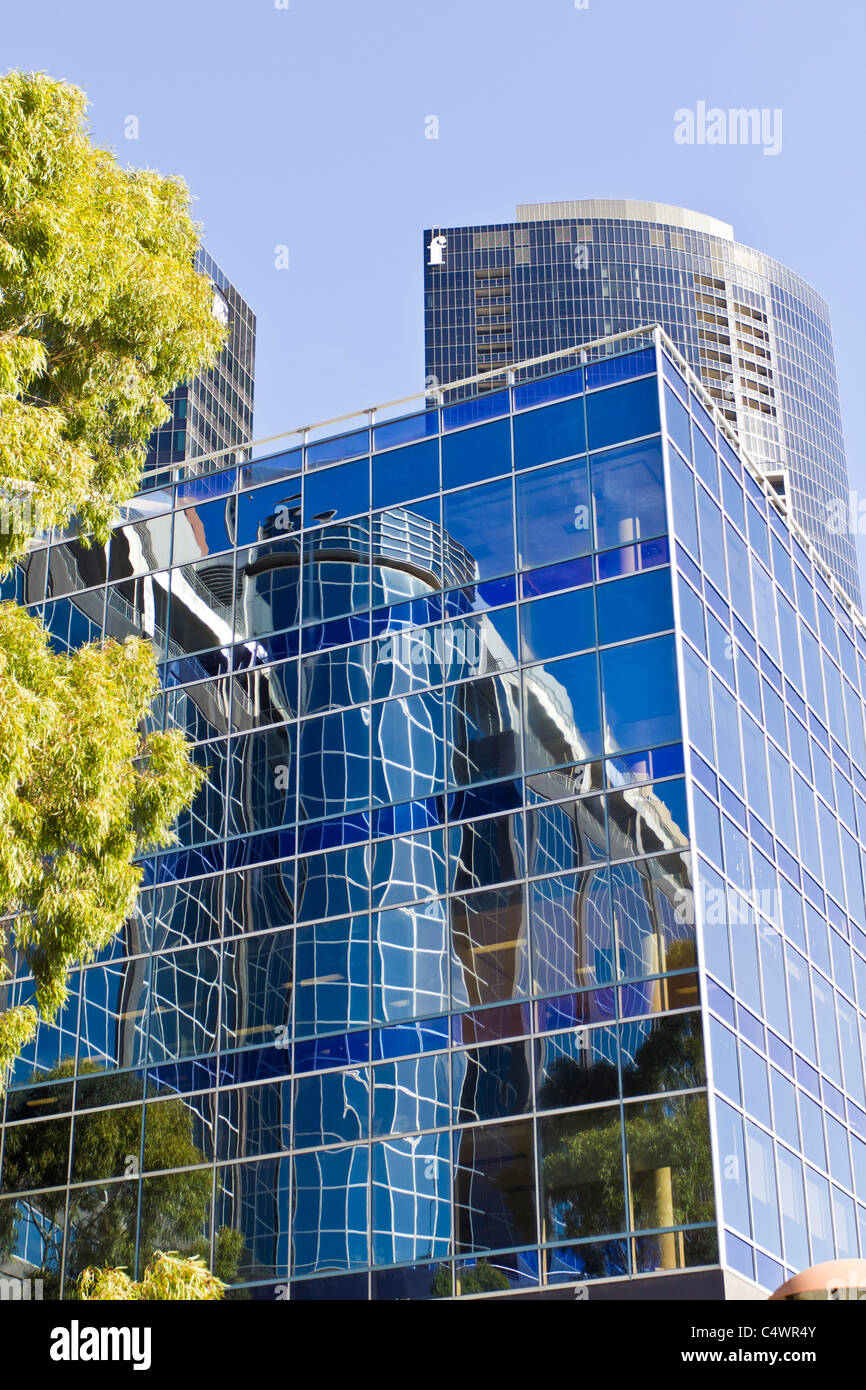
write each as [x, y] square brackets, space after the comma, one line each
[516, 937]
[757, 335]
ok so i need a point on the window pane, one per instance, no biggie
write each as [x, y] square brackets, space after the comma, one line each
[624, 412]
[636, 606]
[561, 713]
[342, 491]
[557, 625]
[553, 514]
[471, 455]
[583, 1192]
[628, 494]
[480, 519]
[495, 1187]
[577, 1068]
[670, 1173]
[556, 432]
[641, 704]
[405, 473]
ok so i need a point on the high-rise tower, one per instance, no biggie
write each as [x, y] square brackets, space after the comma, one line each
[757, 334]
[214, 411]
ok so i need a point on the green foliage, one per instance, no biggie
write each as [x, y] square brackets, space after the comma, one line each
[583, 1166]
[82, 789]
[101, 311]
[168, 1276]
[105, 1216]
[482, 1278]
[101, 314]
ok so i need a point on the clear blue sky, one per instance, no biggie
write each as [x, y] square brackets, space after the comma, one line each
[305, 127]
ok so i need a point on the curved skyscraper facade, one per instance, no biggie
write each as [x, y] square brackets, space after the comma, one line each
[756, 333]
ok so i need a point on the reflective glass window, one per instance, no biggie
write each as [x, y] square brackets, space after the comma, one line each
[557, 625]
[623, 412]
[402, 474]
[635, 606]
[553, 519]
[470, 456]
[479, 519]
[554, 432]
[628, 494]
[641, 703]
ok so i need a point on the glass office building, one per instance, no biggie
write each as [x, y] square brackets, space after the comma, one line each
[515, 943]
[213, 411]
[757, 335]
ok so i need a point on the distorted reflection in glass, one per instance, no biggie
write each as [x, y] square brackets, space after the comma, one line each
[336, 570]
[332, 1108]
[114, 1012]
[405, 660]
[496, 1274]
[251, 1240]
[408, 868]
[333, 884]
[263, 773]
[184, 1003]
[577, 1068]
[411, 1095]
[332, 679]
[257, 988]
[408, 741]
[205, 529]
[329, 1217]
[572, 940]
[411, 1200]
[201, 605]
[334, 764]
[179, 1132]
[492, 1083]
[265, 695]
[254, 1120]
[646, 819]
[494, 1187]
[581, 1163]
[74, 566]
[332, 976]
[410, 961]
[662, 1054]
[669, 1168]
[484, 852]
[268, 589]
[186, 912]
[568, 835]
[203, 819]
[651, 918]
[479, 644]
[490, 947]
[259, 898]
[484, 729]
[200, 710]
[561, 717]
